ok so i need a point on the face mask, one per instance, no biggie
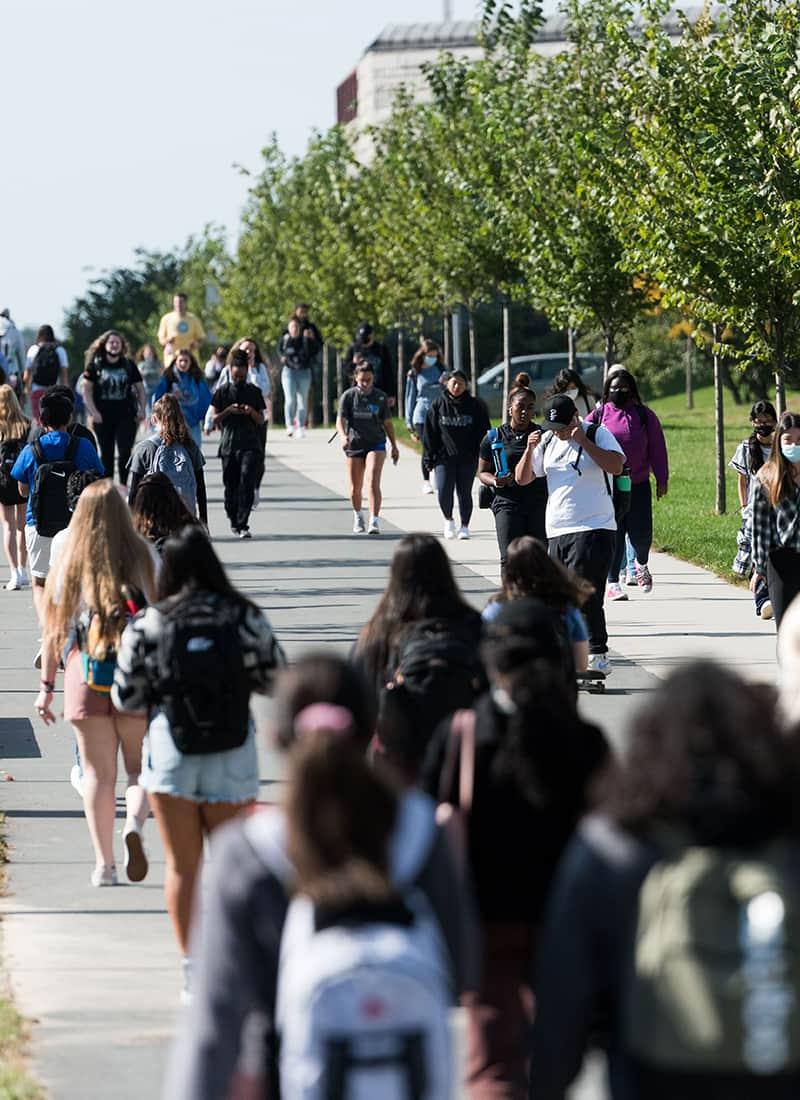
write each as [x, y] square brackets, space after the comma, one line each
[572, 394]
[763, 431]
[431, 360]
[618, 397]
[791, 451]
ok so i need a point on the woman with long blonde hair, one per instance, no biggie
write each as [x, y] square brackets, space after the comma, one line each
[14, 429]
[106, 571]
[171, 451]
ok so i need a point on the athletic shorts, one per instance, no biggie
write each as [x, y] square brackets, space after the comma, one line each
[378, 448]
[230, 776]
[38, 552]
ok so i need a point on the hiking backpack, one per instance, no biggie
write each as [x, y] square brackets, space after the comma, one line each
[46, 366]
[716, 965]
[199, 678]
[174, 460]
[49, 506]
[362, 1009]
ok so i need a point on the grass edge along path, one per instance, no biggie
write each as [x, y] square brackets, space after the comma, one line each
[16, 1083]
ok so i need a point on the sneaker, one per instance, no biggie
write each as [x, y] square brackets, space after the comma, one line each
[631, 580]
[374, 527]
[235, 530]
[427, 489]
[449, 529]
[135, 857]
[643, 578]
[245, 533]
[463, 532]
[301, 432]
[24, 578]
[76, 779]
[765, 610]
[614, 592]
[358, 524]
[13, 585]
[290, 431]
[186, 986]
[256, 500]
[599, 662]
[104, 876]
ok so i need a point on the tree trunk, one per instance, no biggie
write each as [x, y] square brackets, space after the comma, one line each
[446, 342]
[719, 425]
[571, 333]
[610, 351]
[506, 353]
[780, 375]
[689, 361]
[780, 394]
[326, 389]
[401, 374]
[338, 377]
[458, 343]
[473, 352]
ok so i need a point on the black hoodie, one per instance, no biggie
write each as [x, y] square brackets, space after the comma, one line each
[454, 428]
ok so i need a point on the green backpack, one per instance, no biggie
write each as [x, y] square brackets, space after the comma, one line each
[716, 964]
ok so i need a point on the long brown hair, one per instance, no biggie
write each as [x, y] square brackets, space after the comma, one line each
[171, 372]
[530, 571]
[98, 347]
[13, 422]
[103, 554]
[171, 423]
[777, 474]
[426, 347]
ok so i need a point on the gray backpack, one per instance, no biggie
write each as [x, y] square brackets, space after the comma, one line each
[175, 461]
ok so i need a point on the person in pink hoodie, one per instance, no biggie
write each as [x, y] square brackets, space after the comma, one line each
[638, 431]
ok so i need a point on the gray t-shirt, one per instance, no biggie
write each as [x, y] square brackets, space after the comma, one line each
[364, 414]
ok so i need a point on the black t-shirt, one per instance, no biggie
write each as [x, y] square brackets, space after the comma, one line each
[113, 386]
[364, 414]
[239, 431]
[526, 497]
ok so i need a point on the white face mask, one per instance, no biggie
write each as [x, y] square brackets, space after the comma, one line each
[571, 393]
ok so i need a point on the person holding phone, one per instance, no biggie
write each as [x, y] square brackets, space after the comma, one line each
[239, 414]
[364, 423]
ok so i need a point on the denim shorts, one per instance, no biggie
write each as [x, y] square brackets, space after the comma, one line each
[230, 776]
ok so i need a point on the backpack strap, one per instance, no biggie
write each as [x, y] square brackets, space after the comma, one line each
[38, 453]
[591, 434]
[72, 448]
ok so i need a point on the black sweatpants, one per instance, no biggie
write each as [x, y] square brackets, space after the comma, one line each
[783, 580]
[512, 523]
[240, 472]
[455, 475]
[589, 554]
[637, 524]
[116, 433]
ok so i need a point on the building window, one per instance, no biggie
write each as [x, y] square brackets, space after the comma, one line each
[347, 99]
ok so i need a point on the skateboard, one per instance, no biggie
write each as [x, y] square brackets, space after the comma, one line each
[592, 681]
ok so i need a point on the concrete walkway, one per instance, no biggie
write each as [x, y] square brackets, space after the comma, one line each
[97, 970]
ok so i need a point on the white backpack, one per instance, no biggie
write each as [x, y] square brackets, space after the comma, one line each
[175, 461]
[363, 1011]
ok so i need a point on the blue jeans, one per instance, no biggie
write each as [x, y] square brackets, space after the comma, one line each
[296, 384]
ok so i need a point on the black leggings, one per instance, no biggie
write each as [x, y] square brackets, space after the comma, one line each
[512, 523]
[783, 580]
[638, 526]
[119, 433]
[455, 475]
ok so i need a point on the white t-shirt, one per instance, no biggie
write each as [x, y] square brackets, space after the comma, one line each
[578, 499]
[29, 358]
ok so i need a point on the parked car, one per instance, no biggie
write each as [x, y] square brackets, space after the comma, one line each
[542, 370]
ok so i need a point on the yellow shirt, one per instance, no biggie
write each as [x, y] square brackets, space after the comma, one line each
[180, 332]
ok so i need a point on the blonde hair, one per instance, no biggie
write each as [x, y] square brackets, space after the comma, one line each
[14, 424]
[102, 556]
[170, 419]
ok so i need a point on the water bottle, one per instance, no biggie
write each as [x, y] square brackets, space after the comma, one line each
[499, 456]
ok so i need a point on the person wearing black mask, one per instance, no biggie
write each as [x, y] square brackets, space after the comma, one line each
[377, 355]
[451, 438]
[239, 413]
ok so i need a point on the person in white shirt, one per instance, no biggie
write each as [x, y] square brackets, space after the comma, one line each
[46, 365]
[579, 519]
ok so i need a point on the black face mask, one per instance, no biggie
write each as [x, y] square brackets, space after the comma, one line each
[619, 397]
[764, 431]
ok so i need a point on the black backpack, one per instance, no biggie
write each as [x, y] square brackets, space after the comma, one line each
[49, 506]
[46, 366]
[9, 452]
[200, 680]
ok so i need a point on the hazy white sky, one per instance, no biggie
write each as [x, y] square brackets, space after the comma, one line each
[122, 119]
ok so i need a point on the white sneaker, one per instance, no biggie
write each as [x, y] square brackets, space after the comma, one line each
[289, 431]
[599, 662]
[135, 857]
[256, 501]
[463, 532]
[24, 577]
[427, 489]
[358, 524]
[301, 432]
[186, 987]
[374, 527]
[76, 779]
[13, 585]
[104, 876]
[449, 529]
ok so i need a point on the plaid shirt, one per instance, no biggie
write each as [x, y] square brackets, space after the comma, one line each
[774, 527]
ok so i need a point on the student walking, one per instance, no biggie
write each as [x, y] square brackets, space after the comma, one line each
[579, 519]
[114, 394]
[423, 387]
[517, 509]
[751, 454]
[103, 575]
[258, 375]
[454, 428]
[180, 330]
[192, 661]
[364, 423]
[570, 383]
[157, 510]
[295, 355]
[172, 452]
[776, 518]
[184, 380]
[239, 414]
[14, 429]
[46, 365]
[151, 369]
[638, 431]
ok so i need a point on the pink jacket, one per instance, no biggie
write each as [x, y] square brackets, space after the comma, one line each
[638, 431]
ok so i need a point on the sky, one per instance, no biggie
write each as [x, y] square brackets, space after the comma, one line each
[123, 121]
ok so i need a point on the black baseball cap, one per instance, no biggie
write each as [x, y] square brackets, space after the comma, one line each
[560, 411]
[364, 331]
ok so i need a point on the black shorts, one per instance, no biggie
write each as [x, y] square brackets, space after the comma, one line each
[361, 453]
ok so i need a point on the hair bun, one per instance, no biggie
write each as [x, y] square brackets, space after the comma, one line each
[522, 381]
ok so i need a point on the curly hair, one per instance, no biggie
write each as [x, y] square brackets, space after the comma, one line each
[97, 348]
[171, 423]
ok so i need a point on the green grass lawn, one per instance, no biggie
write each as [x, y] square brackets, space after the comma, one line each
[685, 523]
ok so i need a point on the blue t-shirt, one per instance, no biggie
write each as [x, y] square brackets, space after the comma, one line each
[574, 621]
[54, 446]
